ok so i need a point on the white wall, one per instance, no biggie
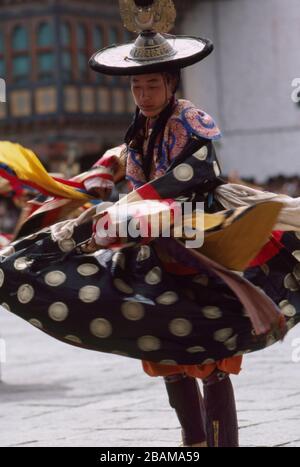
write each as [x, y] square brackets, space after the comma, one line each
[246, 83]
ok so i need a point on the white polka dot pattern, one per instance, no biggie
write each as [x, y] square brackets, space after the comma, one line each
[101, 328]
[183, 172]
[67, 245]
[201, 154]
[180, 327]
[148, 343]
[223, 334]
[211, 312]
[133, 311]
[74, 339]
[1, 277]
[36, 323]
[25, 293]
[89, 293]
[58, 311]
[153, 277]
[167, 298]
[55, 278]
[87, 269]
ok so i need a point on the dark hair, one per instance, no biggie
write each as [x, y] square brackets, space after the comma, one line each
[173, 75]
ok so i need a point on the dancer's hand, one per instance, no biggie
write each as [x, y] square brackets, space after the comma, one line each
[99, 186]
[94, 244]
[63, 230]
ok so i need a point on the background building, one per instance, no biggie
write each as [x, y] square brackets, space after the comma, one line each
[246, 84]
[65, 111]
[56, 105]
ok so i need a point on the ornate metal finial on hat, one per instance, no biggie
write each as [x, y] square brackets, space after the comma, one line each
[148, 15]
[149, 18]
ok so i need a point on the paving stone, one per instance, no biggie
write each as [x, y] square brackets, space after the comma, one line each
[53, 394]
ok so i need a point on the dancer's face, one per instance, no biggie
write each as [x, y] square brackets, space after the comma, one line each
[151, 92]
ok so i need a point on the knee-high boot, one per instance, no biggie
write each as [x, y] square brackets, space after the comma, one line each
[221, 416]
[185, 397]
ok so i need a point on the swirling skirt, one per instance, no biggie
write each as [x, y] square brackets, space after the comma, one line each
[126, 303]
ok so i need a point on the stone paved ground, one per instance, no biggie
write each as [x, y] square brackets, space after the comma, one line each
[56, 395]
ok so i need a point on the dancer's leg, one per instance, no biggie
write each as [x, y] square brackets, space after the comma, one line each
[185, 398]
[221, 416]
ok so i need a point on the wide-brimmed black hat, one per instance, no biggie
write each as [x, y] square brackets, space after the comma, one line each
[154, 50]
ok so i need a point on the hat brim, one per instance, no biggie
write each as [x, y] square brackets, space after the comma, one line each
[114, 60]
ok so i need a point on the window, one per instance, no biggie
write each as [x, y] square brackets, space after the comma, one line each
[46, 65]
[82, 64]
[103, 100]
[87, 100]
[83, 53]
[46, 100]
[113, 35]
[20, 103]
[2, 60]
[20, 55]
[45, 36]
[71, 99]
[118, 101]
[20, 39]
[21, 69]
[66, 34]
[98, 42]
[67, 65]
[45, 52]
[66, 57]
[81, 37]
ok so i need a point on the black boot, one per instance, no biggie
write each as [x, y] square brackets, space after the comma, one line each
[221, 416]
[185, 397]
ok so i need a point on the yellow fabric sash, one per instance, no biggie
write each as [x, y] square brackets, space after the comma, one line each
[28, 168]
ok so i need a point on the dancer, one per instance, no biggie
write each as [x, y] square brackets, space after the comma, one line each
[180, 310]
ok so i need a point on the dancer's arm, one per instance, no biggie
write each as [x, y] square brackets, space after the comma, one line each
[65, 229]
[195, 169]
[107, 171]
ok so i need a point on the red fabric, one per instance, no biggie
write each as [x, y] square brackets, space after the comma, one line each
[69, 183]
[148, 192]
[106, 161]
[50, 218]
[179, 269]
[106, 176]
[269, 250]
